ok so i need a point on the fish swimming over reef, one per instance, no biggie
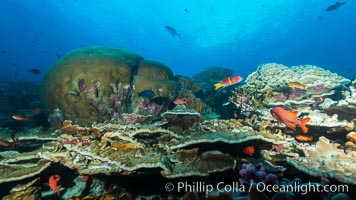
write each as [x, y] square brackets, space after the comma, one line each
[334, 6]
[297, 85]
[304, 138]
[34, 71]
[250, 150]
[19, 117]
[172, 31]
[146, 94]
[289, 118]
[231, 80]
[5, 143]
[53, 184]
[180, 101]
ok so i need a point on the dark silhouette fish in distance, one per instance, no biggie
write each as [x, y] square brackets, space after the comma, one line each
[334, 6]
[34, 71]
[172, 31]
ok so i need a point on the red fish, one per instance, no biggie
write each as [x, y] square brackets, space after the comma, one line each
[231, 80]
[53, 183]
[289, 118]
[250, 150]
[304, 138]
[5, 143]
[180, 101]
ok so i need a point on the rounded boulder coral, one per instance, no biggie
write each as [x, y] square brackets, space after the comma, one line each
[89, 84]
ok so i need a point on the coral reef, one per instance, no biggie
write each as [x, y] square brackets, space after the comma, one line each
[310, 90]
[126, 149]
[155, 70]
[328, 160]
[118, 136]
[188, 84]
[29, 191]
[192, 102]
[346, 107]
[181, 117]
[275, 84]
[240, 99]
[155, 77]
[249, 174]
[211, 75]
[79, 84]
[12, 171]
[56, 117]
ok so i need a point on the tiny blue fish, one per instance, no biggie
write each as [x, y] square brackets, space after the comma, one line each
[147, 94]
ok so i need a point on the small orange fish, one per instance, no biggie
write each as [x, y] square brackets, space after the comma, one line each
[20, 117]
[297, 85]
[304, 138]
[5, 143]
[250, 150]
[289, 118]
[53, 183]
[231, 80]
[180, 101]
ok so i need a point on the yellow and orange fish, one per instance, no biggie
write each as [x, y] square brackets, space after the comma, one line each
[289, 118]
[20, 117]
[250, 150]
[297, 85]
[231, 80]
[304, 138]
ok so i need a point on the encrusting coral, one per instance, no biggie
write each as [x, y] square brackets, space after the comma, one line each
[328, 160]
[279, 85]
[28, 191]
[15, 165]
[125, 149]
[181, 117]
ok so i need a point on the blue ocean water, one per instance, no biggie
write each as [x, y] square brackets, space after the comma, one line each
[186, 35]
[235, 34]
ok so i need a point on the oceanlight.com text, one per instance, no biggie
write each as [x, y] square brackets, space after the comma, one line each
[302, 188]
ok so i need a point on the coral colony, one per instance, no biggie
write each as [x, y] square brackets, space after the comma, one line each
[107, 139]
[240, 99]
[120, 94]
